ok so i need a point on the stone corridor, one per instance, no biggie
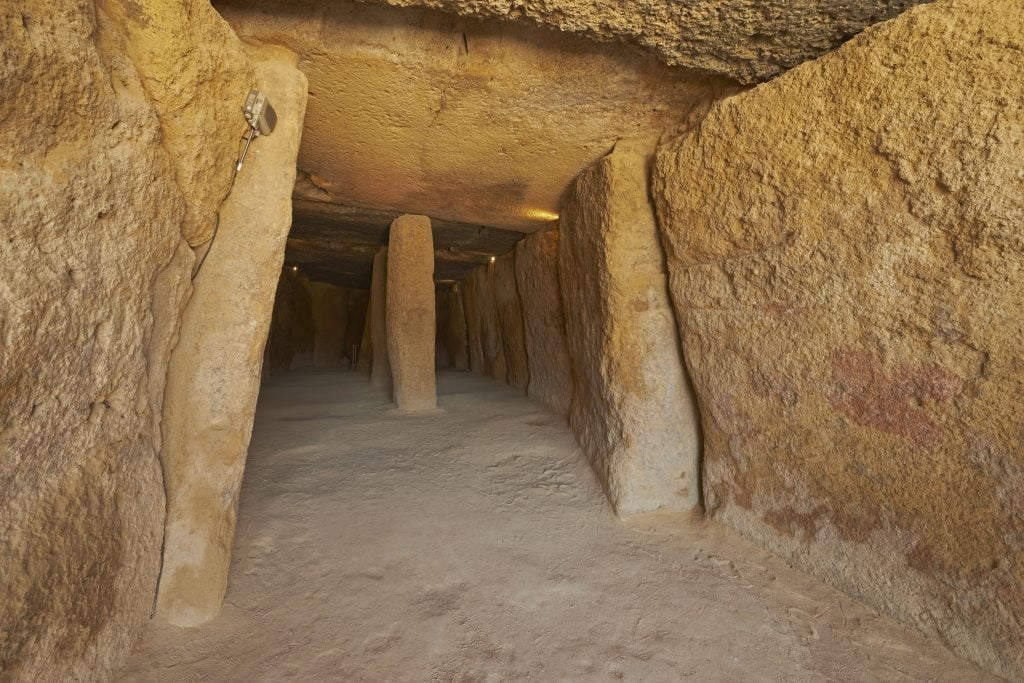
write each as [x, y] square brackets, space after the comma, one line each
[473, 543]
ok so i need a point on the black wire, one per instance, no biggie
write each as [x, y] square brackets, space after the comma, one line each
[216, 225]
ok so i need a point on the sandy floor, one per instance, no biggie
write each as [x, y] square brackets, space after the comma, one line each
[473, 545]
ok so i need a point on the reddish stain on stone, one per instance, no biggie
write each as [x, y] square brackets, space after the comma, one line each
[865, 393]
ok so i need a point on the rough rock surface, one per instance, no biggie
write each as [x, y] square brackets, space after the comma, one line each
[510, 320]
[457, 334]
[290, 339]
[195, 71]
[492, 350]
[850, 307]
[365, 363]
[442, 307]
[748, 40]
[93, 278]
[632, 410]
[544, 324]
[380, 370]
[411, 319]
[330, 323]
[214, 374]
[471, 300]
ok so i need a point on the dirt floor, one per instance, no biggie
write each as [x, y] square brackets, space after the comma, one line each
[473, 544]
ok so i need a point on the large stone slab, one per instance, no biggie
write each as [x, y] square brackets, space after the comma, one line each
[547, 350]
[847, 264]
[380, 363]
[510, 321]
[411, 319]
[94, 277]
[471, 300]
[214, 374]
[482, 310]
[632, 409]
[458, 343]
[749, 40]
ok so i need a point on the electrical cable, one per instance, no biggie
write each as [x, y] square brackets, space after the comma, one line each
[234, 176]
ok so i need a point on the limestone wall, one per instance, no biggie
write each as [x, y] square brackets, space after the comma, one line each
[472, 291]
[847, 265]
[510, 321]
[458, 347]
[550, 367]
[94, 273]
[632, 411]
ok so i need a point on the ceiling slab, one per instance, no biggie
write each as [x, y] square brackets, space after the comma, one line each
[478, 122]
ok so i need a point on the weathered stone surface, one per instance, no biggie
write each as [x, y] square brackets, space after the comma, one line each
[290, 339]
[380, 371]
[411, 321]
[632, 410]
[492, 350]
[366, 347]
[471, 301]
[330, 323]
[214, 374]
[850, 306]
[484, 123]
[510, 321]
[196, 73]
[358, 305]
[547, 351]
[458, 341]
[442, 305]
[94, 276]
[749, 40]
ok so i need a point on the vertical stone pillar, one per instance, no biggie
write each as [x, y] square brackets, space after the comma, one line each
[540, 297]
[510, 321]
[633, 411]
[366, 346]
[411, 319]
[457, 333]
[358, 303]
[380, 369]
[442, 351]
[214, 376]
[471, 308]
[330, 322]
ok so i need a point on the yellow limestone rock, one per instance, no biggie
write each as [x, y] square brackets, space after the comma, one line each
[847, 265]
[411, 321]
[632, 411]
[214, 376]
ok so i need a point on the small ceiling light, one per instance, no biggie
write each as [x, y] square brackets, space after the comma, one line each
[295, 269]
[492, 259]
[541, 215]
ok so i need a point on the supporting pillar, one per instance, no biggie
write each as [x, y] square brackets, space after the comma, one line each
[632, 410]
[510, 321]
[457, 333]
[214, 375]
[411, 319]
[380, 371]
[540, 297]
